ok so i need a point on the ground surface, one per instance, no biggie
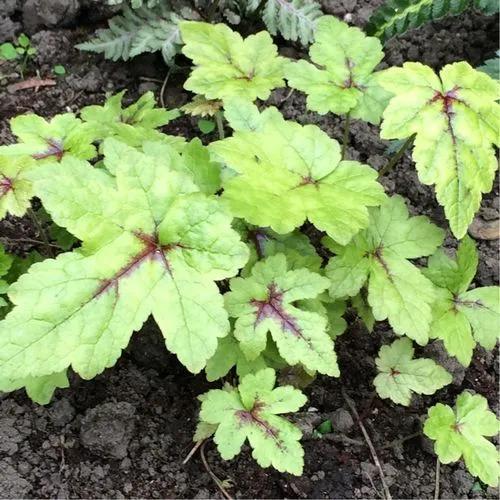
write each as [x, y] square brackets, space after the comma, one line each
[126, 433]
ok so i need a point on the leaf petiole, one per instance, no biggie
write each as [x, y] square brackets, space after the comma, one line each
[392, 162]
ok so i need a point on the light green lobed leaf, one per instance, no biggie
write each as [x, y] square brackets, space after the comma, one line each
[244, 116]
[378, 257]
[400, 374]
[264, 242]
[286, 173]
[226, 65]
[229, 355]
[456, 121]
[462, 318]
[363, 310]
[152, 244]
[39, 389]
[461, 432]
[16, 189]
[267, 301]
[62, 136]
[113, 120]
[251, 411]
[193, 160]
[342, 78]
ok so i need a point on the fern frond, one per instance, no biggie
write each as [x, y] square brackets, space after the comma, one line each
[116, 41]
[294, 19]
[398, 16]
[488, 7]
[492, 66]
[137, 31]
[158, 34]
[135, 4]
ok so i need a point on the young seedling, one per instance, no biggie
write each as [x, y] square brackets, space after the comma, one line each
[461, 432]
[462, 317]
[455, 119]
[22, 50]
[378, 257]
[59, 70]
[251, 411]
[341, 79]
[400, 375]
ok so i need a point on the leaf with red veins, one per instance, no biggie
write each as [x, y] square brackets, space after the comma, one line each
[266, 302]
[16, 189]
[152, 244]
[250, 411]
[63, 136]
[455, 119]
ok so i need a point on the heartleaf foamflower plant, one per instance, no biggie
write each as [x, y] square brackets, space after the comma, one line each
[455, 118]
[266, 302]
[378, 257]
[400, 375]
[251, 411]
[285, 173]
[341, 77]
[462, 431]
[152, 244]
[226, 65]
[64, 135]
[462, 317]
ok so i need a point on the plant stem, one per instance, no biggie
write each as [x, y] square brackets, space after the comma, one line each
[355, 413]
[41, 231]
[259, 8]
[212, 10]
[436, 487]
[220, 124]
[389, 166]
[347, 124]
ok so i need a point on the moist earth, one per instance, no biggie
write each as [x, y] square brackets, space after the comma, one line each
[126, 433]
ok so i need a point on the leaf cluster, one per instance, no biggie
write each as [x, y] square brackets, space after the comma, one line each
[211, 240]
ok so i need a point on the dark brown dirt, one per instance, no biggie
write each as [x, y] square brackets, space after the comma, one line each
[125, 433]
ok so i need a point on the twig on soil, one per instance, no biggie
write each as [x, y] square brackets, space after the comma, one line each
[436, 488]
[286, 98]
[193, 451]
[8, 240]
[373, 484]
[149, 79]
[31, 83]
[216, 480]
[341, 438]
[389, 166]
[162, 91]
[395, 442]
[354, 411]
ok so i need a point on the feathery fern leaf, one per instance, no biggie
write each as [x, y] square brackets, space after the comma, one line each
[294, 19]
[136, 31]
[398, 16]
[135, 4]
[492, 66]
